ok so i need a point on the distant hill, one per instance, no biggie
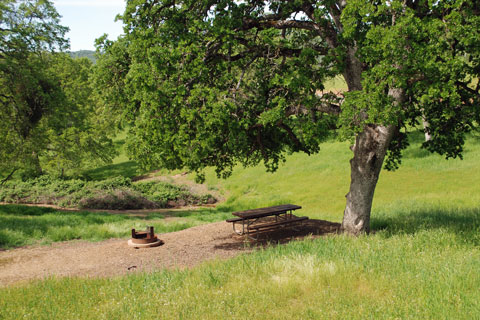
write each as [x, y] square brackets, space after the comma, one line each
[84, 54]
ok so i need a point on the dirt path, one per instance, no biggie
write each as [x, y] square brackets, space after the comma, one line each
[182, 249]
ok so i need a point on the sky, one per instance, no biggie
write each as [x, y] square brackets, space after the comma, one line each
[89, 19]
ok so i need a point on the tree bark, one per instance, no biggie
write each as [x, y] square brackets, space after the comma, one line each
[426, 125]
[368, 154]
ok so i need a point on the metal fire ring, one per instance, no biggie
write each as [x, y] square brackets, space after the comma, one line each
[144, 239]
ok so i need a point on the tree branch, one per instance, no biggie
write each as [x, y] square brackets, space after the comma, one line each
[326, 29]
[292, 136]
[259, 51]
[324, 107]
[249, 23]
[336, 12]
[8, 177]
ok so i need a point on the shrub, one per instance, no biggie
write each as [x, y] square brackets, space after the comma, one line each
[117, 200]
[112, 183]
[113, 193]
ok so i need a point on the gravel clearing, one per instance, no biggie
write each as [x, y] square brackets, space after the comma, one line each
[182, 249]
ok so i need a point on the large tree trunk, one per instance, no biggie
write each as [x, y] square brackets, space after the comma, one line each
[368, 153]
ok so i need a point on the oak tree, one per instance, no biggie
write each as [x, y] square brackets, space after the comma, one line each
[220, 82]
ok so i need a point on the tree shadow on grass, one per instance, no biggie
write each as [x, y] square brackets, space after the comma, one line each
[415, 151]
[464, 223]
[16, 217]
[127, 169]
[13, 209]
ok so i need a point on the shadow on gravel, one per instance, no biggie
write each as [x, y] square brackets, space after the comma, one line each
[310, 228]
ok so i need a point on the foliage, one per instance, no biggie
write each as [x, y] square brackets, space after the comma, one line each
[430, 51]
[213, 84]
[216, 83]
[79, 138]
[114, 193]
[176, 101]
[47, 117]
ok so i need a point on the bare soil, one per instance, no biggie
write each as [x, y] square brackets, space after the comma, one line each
[114, 257]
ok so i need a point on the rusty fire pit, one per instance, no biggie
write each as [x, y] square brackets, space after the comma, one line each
[144, 239]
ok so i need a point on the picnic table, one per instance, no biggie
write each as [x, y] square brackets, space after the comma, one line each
[261, 219]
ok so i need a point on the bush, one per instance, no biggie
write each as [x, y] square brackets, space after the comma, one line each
[112, 183]
[113, 193]
[160, 191]
[117, 200]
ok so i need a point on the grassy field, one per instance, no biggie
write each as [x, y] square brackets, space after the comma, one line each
[421, 262]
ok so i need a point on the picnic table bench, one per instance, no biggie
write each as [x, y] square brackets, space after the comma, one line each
[255, 220]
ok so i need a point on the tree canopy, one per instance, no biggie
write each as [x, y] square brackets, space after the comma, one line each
[214, 83]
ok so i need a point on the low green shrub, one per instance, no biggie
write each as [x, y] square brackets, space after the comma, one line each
[112, 183]
[169, 195]
[118, 200]
[158, 191]
[114, 193]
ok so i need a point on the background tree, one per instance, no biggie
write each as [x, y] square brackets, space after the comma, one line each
[214, 83]
[44, 95]
[78, 134]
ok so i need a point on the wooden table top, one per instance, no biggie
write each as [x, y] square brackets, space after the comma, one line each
[265, 212]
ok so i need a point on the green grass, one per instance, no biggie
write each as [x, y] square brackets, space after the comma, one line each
[421, 262]
[320, 182]
[121, 165]
[408, 272]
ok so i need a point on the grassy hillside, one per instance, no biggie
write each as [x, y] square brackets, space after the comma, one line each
[320, 182]
[421, 262]
[120, 166]
[89, 54]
